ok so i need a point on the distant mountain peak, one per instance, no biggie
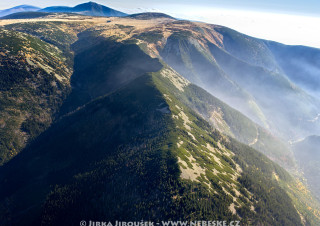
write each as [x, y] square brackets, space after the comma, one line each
[89, 4]
[89, 9]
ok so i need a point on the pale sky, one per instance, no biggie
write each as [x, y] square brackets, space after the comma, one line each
[293, 22]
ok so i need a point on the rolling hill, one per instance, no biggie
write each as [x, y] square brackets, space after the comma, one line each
[148, 16]
[17, 9]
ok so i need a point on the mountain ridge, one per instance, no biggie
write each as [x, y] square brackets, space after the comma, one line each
[152, 126]
[98, 107]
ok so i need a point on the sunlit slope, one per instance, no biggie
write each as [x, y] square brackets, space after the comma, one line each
[34, 81]
[308, 157]
[36, 68]
[230, 121]
[200, 101]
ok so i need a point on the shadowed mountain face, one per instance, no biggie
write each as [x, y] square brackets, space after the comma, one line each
[89, 9]
[104, 68]
[119, 112]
